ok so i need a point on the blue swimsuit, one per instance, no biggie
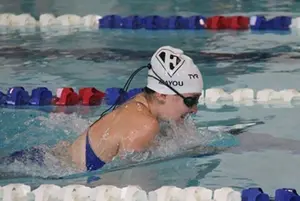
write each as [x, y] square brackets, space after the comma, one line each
[92, 161]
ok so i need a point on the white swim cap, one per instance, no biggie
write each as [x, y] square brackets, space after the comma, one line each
[175, 68]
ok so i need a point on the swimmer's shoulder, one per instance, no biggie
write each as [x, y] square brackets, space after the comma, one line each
[137, 105]
[139, 110]
[142, 126]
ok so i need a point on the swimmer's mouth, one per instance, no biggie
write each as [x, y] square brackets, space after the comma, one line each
[183, 117]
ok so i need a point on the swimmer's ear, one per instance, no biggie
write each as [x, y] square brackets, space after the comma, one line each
[161, 98]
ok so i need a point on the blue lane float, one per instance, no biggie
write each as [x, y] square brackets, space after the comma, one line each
[152, 22]
[286, 194]
[281, 194]
[17, 96]
[111, 21]
[133, 92]
[114, 95]
[178, 22]
[280, 23]
[132, 22]
[41, 96]
[118, 96]
[197, 22]
[254, 194]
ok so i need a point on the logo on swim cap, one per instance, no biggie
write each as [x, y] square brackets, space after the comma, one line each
[169, 61]
[176, 69]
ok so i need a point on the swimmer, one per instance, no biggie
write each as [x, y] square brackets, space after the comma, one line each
[174, 85]
[133, 125]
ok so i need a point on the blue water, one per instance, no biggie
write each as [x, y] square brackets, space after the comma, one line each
[267, 154]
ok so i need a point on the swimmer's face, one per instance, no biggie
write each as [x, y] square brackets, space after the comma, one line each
[175, 109]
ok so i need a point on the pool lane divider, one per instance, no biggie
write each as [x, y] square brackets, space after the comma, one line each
[86, 98]
[20, 191]
[254, 23]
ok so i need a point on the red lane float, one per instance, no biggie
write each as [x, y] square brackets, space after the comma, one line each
[222, 22]
[86, 96]
[66, 96]
[91, 96]
[238, 22]
[216, 22]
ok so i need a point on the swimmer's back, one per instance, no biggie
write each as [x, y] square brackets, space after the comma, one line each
[129, 127]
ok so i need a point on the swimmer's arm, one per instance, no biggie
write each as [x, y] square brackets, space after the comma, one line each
[142, 135]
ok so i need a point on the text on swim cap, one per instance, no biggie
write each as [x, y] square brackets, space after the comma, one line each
[193, 76]
[169, 61]
[172, 83]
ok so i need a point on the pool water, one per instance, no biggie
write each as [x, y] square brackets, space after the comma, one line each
[266, 154]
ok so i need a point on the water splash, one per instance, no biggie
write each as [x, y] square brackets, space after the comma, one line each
[66, 122]
[57, 127]
[174, 139]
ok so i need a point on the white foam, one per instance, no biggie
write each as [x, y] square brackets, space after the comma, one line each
[47, 19]
[216, 94]
[15, 192]
[47, 192]
[198, 194]
[24, 20]
[167, 193]
[107, 193]
[295, 23]
[1, 193]
[268, 95]
[134, 193]
[6, 19]
[253, 20]
[91, 21]
[217, 97]
[69, 20]
[76, 193]
[226, 194]
[290, 94]
[59, 92]
[243, 95]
